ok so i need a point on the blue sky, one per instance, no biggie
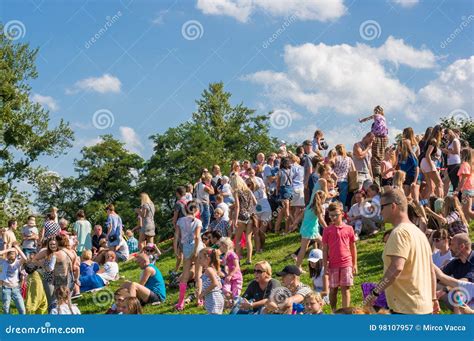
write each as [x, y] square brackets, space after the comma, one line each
[319, 64]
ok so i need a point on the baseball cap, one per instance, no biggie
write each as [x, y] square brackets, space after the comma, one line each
[289, 270]
[315, 255]
[307, 143]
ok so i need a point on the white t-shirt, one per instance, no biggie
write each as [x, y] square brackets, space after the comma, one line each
[123, 250]
[63, 309]
[111, 271]
[10, 273]
[224, 207]
[226, 190]
[454, 159]
[441, 261]
[318, 281]
[354, 211]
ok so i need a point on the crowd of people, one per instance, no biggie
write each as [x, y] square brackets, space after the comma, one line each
[417, 192]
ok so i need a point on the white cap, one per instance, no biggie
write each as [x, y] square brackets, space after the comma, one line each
[315, 255]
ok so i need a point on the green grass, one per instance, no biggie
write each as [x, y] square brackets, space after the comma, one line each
[276, 252]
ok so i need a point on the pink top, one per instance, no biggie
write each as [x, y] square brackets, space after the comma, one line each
[229, 261]
[465, 170]
[339, 239]
[388, 165]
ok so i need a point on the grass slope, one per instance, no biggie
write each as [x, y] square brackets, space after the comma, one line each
[276, 252]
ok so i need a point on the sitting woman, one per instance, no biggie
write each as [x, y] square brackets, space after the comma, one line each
[258, 291]
[89, 279]
[452, 217]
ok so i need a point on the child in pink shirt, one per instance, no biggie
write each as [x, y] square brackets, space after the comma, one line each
[339, 256]
[466, 183]
[233, 279]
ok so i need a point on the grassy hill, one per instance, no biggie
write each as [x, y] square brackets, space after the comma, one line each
[277, 250]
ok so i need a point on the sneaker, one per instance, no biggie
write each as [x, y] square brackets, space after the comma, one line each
[189, 299]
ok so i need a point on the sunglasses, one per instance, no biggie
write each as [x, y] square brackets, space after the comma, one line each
[334, 215]
[386, 204]
[258, 271]
[438, 239]
[205, 239]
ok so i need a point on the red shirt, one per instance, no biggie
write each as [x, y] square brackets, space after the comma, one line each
[339, 239]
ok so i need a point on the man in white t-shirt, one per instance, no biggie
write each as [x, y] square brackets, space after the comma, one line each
[121, 250]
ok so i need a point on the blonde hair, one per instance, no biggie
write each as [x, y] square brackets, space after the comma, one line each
[314, 296]
[451, 203]
[238, 184]
[407, 149]
[227, 242]
[265, 266]
[219, 210]
[145, 199]
[86, 255]
[378, 110]
[341, 150]
[206, 177]
[294, 158]
[399, 178]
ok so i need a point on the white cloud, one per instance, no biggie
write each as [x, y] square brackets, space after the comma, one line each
[103, 84]
[406, 3]
[46, 101]
[321, 10]
[131, 139]
[452, 90]
[87, 142]
[346, 79]
[396, 51]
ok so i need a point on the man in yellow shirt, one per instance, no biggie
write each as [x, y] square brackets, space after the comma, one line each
[409, 279]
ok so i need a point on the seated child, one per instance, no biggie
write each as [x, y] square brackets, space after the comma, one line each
[152, 251]
[313, 304]
[355, 215]
[10, 278]
[36, 302]
[219, 224]
[110, 270]
[89, 279]
[64, 307]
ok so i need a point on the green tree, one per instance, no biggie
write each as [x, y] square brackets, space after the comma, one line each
[108, 173]
[464, 124]
[217, 134]
[25, 132]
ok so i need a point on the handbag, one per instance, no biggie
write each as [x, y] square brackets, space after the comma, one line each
[352, 181]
